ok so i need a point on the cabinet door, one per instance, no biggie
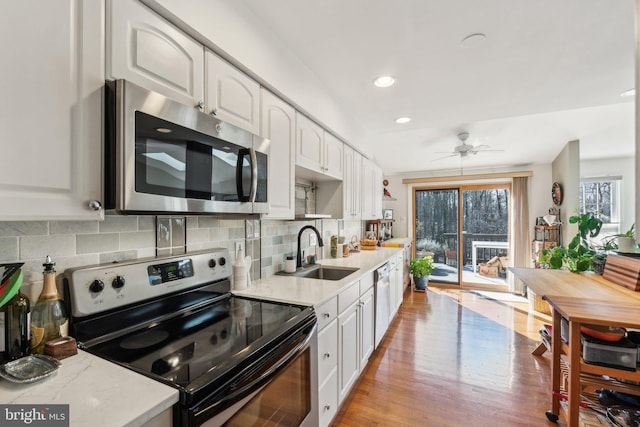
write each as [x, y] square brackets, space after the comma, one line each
[366, 327]
[327, 351]
[347, 183]
[278, 124]
[367, 190]
[333, 156]
[357, 185]
[399, 279]
[377, 192]
[309, 144]
[348, 363]
[51, 109]
[148, 51]
[351, 183]
[231, 95]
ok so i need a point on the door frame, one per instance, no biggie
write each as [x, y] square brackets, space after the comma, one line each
[461, 284]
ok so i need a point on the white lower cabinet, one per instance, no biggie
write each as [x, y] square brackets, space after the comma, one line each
[349, 361]
[345, 342]
[328, 399]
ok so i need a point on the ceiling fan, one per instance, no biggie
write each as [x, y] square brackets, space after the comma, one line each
[464, 149]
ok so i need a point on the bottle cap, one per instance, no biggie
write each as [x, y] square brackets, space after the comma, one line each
[49, 265]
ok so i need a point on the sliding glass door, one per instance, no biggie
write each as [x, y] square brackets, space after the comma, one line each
[466, 230]
[436, 231]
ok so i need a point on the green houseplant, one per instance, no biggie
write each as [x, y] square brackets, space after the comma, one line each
[578, 255]
[421, 269]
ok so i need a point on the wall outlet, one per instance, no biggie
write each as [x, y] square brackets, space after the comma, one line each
[240, 245]
[313, 239]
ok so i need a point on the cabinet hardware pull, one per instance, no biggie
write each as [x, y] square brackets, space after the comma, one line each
[327, 355]
[327, 407]
[327, 315]
[95, 205]
[200, 105]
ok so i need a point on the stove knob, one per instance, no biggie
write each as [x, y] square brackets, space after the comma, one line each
[212, 263]
[118, 282]
[96, 286]
[222, 261]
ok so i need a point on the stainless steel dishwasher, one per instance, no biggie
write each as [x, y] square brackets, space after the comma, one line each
[381, 300]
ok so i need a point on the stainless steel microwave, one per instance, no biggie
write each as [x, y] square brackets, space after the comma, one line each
[162, 156]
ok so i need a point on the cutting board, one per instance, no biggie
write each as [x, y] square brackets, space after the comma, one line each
[623, 271]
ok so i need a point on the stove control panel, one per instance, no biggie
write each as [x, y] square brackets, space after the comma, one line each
[108, 286]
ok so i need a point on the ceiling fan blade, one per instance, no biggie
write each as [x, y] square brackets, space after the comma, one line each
[445, 157]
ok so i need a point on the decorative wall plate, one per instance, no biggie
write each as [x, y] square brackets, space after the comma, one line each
[556, 193]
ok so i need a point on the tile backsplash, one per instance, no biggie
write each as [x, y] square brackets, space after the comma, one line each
[120, 238]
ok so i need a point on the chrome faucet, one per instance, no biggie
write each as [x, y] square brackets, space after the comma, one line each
[299, 254]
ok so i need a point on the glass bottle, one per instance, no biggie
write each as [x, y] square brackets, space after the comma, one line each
[14, 328]
[48, 317]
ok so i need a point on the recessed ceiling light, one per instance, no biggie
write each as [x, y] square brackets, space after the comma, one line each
[163, 130]
[401, 120]
[384, 81]
[473, 40]
[630, 92]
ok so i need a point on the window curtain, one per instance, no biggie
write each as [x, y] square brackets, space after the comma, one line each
[520, 240]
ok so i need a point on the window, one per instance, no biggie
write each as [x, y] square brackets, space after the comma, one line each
[600, 196]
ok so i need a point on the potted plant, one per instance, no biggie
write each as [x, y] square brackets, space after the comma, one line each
[421, 269]
[578, 255]
[627, 240]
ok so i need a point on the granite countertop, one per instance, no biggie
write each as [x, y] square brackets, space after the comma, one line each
[313, 292]
[99, 393]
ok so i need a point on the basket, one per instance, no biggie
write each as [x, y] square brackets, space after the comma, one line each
[537, 303]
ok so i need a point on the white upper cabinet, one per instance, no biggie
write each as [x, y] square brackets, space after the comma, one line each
[278, 125]
[231, 95]
[372, 190]
[309, 144]
[147, 50]
[351, 190]
[317, 151]
[333, 156]
[51, 109]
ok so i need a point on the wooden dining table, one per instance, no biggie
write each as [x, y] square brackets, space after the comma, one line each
[580, 298]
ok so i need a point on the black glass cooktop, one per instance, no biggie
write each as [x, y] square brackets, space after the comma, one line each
[197, 343]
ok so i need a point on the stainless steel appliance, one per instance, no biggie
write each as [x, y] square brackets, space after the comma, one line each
[382, 302]
[163, 156]
[235, 361]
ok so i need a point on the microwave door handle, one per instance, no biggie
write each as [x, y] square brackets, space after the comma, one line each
[254, 174]
[239, 187]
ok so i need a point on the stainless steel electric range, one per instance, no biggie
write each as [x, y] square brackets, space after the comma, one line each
[235, 361]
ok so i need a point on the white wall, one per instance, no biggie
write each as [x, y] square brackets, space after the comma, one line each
[566, 171]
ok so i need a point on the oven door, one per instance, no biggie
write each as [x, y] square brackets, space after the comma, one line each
[277, 392]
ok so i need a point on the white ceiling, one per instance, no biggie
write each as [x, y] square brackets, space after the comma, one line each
[548, 72]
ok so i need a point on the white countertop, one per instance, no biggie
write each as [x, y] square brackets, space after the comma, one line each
[312, 292]
[99, 393]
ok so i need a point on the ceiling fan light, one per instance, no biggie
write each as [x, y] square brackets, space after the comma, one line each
[402, 120]
[384, 81]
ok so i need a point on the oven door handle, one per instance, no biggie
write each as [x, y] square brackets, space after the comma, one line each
[273, 370]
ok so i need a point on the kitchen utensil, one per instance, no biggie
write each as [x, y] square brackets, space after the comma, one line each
[12, 288]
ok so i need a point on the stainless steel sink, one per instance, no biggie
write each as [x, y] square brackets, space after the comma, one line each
[322, 272]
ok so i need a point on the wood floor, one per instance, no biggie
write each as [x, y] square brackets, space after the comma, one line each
[452, 358]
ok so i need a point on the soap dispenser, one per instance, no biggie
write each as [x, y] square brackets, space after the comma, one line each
[239, 271]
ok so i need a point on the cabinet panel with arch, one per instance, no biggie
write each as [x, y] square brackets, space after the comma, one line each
[147, 50]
